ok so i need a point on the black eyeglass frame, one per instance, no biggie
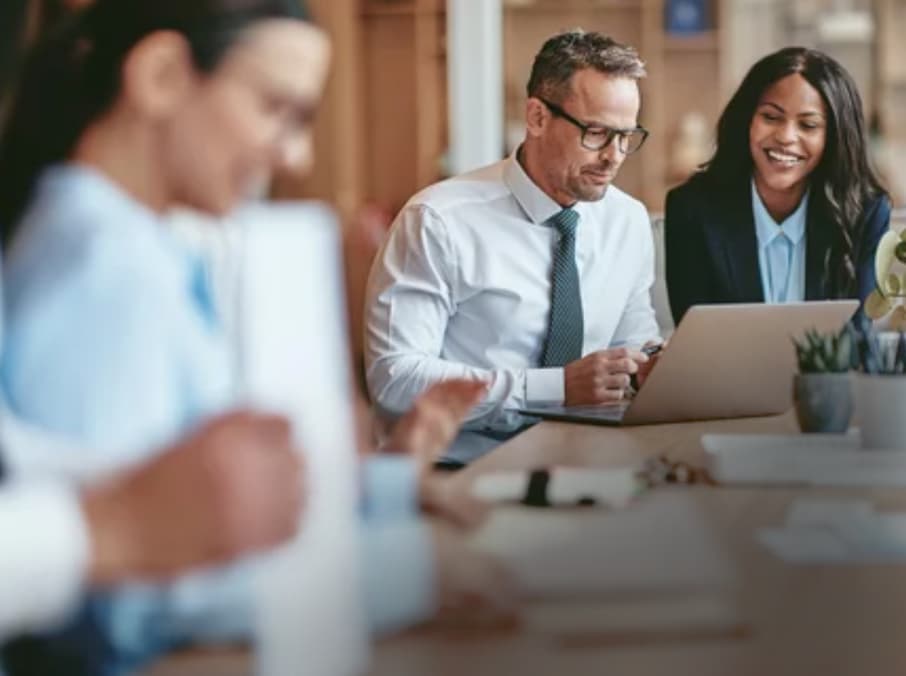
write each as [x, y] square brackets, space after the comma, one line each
[610, 132]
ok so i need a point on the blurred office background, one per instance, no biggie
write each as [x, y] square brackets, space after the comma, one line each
[402, 66]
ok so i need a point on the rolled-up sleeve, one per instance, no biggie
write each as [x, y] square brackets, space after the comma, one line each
[44, 556]
[411, 298]
[29, 453]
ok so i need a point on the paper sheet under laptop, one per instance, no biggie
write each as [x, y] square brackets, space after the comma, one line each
[294, 353]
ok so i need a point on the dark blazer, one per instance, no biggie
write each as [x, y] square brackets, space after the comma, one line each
[712, 250]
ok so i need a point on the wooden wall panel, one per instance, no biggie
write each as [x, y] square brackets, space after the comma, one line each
[382, 133]
[391, 107]
[693, 75]
[405, 98]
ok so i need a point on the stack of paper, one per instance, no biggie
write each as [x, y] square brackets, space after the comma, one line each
[813, 459]
[837, 532]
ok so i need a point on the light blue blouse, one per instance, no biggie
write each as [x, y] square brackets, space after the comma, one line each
[781, 251]
[113, 340]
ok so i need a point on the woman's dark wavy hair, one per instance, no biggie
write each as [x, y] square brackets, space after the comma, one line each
[72, 76]
[844, 178]
[13, 22]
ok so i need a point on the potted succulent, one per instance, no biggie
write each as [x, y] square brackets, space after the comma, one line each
[880, 387]
[822, 391]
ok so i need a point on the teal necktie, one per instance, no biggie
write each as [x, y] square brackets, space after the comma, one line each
[567, 328]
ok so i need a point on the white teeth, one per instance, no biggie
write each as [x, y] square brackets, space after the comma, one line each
[784, 158]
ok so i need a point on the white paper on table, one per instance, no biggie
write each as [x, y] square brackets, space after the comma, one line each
[501, 486]
[294, 361]
[826, 531]
[662, 543]
[813, 459]
[805, 544]
[610, 487]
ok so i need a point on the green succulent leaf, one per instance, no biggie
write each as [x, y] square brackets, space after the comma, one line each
[824, 353]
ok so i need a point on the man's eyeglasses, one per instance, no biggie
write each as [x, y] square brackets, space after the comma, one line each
[596, 137]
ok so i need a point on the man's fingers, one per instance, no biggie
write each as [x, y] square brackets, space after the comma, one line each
[623, 366]
[637, 356]
[606, 395]
[470, 512]
[457, 392]
[272, 429]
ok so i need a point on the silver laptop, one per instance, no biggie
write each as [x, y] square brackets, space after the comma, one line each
[723, 361]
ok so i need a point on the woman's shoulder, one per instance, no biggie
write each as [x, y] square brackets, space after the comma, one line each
[85, 245]
[878, 208]
[81, 278]
[875, 219]
[700, 188]
[80, 256]
[699, 196]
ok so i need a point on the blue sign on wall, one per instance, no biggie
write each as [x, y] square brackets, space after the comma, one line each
[686, 16]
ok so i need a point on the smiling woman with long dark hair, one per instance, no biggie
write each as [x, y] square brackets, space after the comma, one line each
[789, 207]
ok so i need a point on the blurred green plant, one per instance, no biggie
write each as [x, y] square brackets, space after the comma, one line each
[825, 352]
[877, 354]
[890, 272]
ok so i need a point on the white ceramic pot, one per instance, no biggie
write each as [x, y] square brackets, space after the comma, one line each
[881, 410]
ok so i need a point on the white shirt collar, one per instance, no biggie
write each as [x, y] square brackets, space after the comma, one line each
[537, 204]
[767, 229]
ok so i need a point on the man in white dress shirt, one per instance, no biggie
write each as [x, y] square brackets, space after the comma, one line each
[534, 273]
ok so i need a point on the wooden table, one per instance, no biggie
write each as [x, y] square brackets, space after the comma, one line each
[791, 619]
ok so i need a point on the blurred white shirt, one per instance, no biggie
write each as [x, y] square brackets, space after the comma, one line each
[461, 288]
[44, 540]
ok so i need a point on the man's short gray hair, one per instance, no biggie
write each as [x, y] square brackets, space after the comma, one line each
[566, 53]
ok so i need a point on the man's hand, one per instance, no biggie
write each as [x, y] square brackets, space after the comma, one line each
[601, 377]
[646, 368]
[475, 590]
[233, 487]
[430, 426]
[442, 495]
